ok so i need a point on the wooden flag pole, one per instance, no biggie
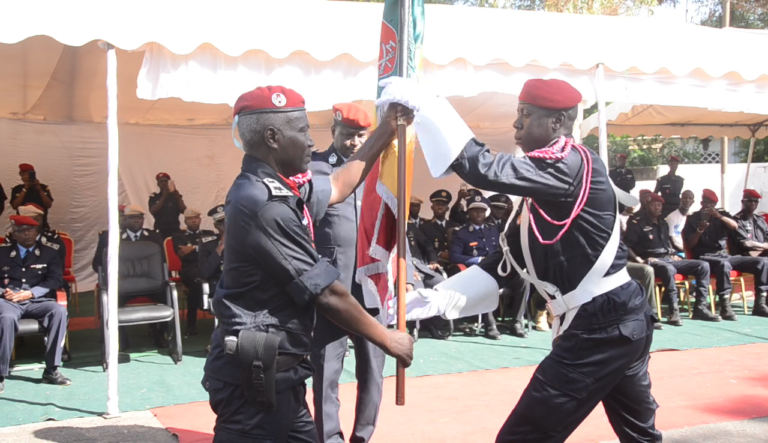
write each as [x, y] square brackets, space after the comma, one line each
[402, 168]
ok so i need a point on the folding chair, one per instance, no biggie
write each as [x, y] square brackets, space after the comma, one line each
[69, 275]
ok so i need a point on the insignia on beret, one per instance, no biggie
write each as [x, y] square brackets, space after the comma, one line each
[338, 116]
[220, 209]
[276, 189]
[443, 193]
[478, 198]
[278, 99]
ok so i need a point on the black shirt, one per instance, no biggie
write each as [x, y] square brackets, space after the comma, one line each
[670, 187]
[437, 233]
[211, 263]
[713, 240]
[648, 239]
[39, 271]
[272, 273]
[32, 196]
[624, 179]
[167, 218]
[751, 228]
[555, 185]
[189, 262]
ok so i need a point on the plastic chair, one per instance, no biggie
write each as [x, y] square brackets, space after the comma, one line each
[69, 275]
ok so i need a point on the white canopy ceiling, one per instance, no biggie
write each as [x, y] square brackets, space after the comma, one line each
[670, 121]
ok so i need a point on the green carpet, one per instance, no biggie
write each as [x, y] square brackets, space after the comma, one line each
[149, 378]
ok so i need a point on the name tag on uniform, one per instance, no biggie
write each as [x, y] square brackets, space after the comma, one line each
[647, 228]
[40, 266]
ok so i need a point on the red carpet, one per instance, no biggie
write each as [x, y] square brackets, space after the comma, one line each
[692, 387]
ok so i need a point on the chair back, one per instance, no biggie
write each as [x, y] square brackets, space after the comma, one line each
[69, 245]
[142, 269]
[173, 260]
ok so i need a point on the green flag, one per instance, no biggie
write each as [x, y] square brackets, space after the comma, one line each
[389, 52]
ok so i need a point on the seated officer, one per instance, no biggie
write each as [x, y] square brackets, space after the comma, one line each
[751, 240]
[31, 274]
[705, 235]
[648, 238]
[413, 211]
[437, 229]
[47, 236]
[472, 242]
[104, 239]
[424, 259]
[499, 209]
[212, 250]
[186, 247]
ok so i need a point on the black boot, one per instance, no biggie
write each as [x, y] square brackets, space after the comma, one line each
[431, 325]
[673, 315]
[517, 330]
[490, 327]
[701, 311]
[725, 308]
[760, 309]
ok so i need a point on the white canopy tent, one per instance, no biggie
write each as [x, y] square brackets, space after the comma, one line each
[180, 65]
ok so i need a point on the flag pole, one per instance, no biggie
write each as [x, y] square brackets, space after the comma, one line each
[402, 226]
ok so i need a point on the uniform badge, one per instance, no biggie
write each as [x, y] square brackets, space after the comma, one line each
[437, 244]
[332, 159]
[478, 198]
[6, 269]
[471, 228]
[278, 99]
[444, 193]
[37, 252]
[13, 253]
[276, 189]
[650, 236]
[474, 252]
[220, 209]
[338, 116]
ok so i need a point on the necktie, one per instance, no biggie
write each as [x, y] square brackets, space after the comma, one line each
[23, 253]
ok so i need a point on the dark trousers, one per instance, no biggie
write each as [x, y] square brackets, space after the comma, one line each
[721, 266]
[50, 314]
[514, 295]
[329, 347]
[194, 291]
[584, 368]
[237, 421]
[665, 270]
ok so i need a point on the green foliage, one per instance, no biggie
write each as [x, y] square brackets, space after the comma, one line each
[646, 151]
[759, 156]
[750, 14]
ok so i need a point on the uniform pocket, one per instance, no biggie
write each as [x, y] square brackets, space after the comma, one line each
[636, 329]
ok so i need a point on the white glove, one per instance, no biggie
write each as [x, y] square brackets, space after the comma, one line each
[399, 90]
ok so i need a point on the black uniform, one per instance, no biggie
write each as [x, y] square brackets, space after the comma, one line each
[50, 238]
[670, 187]
[125, 235]
[33, 196]
[189, 271]
[603, 355]
[651, 240]
[272, 276]
[211, 262]
[39, 271]
[422, 255]
[751, 228]
[712, 248]
[167, 219]
[623, 178]
[437, 232]
[336, 240]
[470, 243]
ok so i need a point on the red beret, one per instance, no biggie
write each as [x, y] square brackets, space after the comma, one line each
[656, 198]
[710, 195]
[121, 208]
[269, 99]
[352, 115]
[550, 94]
[162, 175]
[26, 167]
[21, 220]
[621, 156]
[751, 193]
[674, 158]
[645, 191]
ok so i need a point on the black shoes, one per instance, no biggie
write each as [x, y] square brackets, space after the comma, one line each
[726, 312]
[2, 385]
[673, 317]
[492, 333]
[55, 378]
[517, 330]
[701, 312]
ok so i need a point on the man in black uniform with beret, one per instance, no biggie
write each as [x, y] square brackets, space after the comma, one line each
[706, 236]
[499, 205]
[648, 237]
[751, 240]
[438, 229]
[30, 274]
[31, 191]
[273, 278]
[336, 241]
[166, 206]
[569, 241]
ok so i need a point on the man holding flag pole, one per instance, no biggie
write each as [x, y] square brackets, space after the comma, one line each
[567, 245]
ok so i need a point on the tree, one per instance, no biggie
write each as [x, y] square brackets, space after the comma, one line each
[759, 156]
[602, 7]
[646, 151]
[750, 14]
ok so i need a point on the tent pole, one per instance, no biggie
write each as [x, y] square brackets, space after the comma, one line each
[402, 204]
[723, 171]
[751, 153]
[113, 159]
[602, 119]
